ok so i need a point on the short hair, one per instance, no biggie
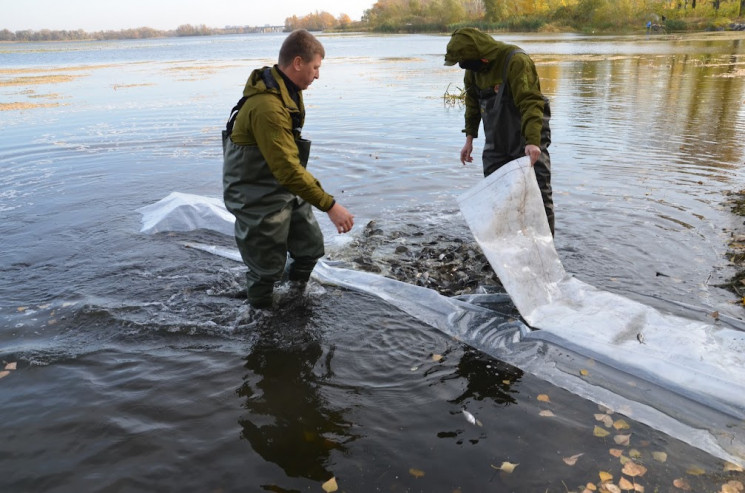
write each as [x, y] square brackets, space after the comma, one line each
[300, 43]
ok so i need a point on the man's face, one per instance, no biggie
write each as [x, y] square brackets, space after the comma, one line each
[306, 72]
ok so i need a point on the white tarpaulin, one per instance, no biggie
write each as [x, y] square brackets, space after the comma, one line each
[683, 377]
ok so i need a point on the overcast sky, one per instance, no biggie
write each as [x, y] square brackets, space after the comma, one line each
[101, 15]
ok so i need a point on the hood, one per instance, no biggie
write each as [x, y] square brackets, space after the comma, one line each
[469, 43]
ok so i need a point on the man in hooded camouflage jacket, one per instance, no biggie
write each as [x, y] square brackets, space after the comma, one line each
[265, 183]
[504, 93]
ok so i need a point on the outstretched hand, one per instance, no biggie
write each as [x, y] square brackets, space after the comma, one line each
[465, 153]
[533, 152]
[341, 217]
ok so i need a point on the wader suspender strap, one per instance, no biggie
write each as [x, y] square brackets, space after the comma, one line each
[270, 84]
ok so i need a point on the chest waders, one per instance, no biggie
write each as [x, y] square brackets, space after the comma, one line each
[504, 140]
[270, 221]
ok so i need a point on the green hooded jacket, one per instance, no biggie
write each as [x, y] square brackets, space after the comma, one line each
[471, 44]
[266, 122]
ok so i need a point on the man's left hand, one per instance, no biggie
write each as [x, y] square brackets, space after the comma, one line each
[533, 152]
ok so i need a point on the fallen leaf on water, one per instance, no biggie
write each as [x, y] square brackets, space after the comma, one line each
[621, 425]
[584, 373]
[605, 476]
[417, 473]
[11, 366]
[638, 488]
[634, 453]
[605, 419]
[622, 439]
[625, 484]
[616, 452]
[634, 469]
[623, 460]
[4, 373]
[682, 484]
[728, 466]
[330, 485]
[610, 488]
[573, 459]
[546, 414]
[543, 398]
[732, 487]
[507, 467]
[22, 308]
[436, 357]
[600, 432]
[695, 471]
[591, 487]
[506, 382]
[659, 456]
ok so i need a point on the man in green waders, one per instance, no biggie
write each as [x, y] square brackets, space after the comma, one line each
[265, 183]
[503, 92]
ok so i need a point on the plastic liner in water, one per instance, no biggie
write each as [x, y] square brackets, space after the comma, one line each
[682, 377]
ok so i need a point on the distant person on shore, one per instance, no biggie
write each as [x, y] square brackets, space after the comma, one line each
[503, 92]
[266, 185]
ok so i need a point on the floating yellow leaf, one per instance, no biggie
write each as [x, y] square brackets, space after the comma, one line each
[330, 485]
[543, 398]
[573, 459]
[622, 439]
[610, 488]
[506, 382]
[436, 357]
[584, 373]
[605, 419]
[659, 456]
[4, 373]
[623, 460]
[22, 308]
[695, 471]
[634, 469]
[605, 476]
[682, 484]
[591, 487]
[600, 432]
[638, 488]
[625, 484]
[732, 487]
[634, 453]
[507, 467]
[728, 466]
[621, 425]
[546, 414]
[11, 366]
[616, 452]
[417, 473]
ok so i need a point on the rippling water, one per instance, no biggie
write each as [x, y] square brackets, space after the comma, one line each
[138, 366]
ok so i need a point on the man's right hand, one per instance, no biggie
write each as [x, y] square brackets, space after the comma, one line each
[341, 217]
[465, 153]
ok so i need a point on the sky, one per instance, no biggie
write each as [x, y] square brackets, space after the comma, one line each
[103, 15]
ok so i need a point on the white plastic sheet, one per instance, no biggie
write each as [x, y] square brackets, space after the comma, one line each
[686, 378]
[702, 361]
[186, 212]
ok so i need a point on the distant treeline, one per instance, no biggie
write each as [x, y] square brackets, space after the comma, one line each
[447, 15]
[535, 15]
[138, 33]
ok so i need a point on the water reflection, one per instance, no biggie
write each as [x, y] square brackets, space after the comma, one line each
[486, 378]
[289, 422]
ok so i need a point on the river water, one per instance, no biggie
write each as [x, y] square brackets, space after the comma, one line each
[134, 365]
